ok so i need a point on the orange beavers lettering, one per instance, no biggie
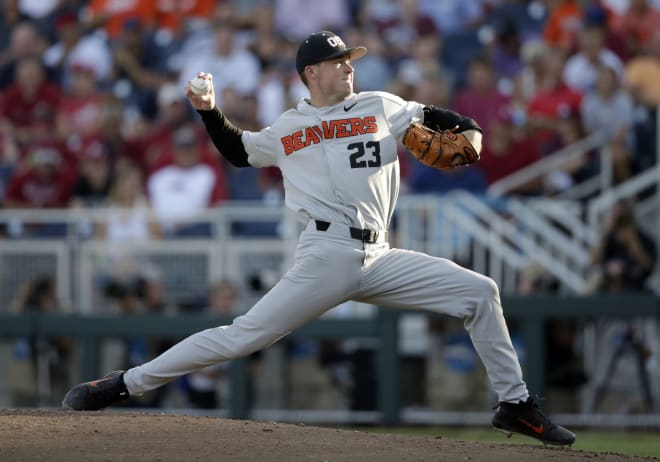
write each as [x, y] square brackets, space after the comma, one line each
[339, 128]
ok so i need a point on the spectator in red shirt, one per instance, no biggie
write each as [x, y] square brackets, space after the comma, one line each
[508, 150]
[79, 112]
[553, 102]
[44, 183]
[638, 24]
[481, 99]
[31, 102]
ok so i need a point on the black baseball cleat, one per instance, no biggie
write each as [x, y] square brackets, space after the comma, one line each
[97, 394]
[527, 418]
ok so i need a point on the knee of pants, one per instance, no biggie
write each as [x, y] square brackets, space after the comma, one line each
[486, 291]
[483, 285]
[486, 303]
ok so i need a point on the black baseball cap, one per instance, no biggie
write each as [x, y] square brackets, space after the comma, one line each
[323, 46]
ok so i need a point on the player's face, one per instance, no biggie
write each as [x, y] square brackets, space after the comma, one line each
[335, 79]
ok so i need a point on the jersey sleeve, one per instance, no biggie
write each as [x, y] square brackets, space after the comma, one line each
[400, 113]
[261, 147]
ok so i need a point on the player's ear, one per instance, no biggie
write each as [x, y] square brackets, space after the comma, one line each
[311, 72]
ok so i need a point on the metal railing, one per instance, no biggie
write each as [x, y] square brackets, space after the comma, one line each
[558, 160]
[600, 205]
[79, 261]
[580, 210]
[499, 238]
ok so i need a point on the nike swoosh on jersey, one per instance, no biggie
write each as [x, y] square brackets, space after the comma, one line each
[348, 108]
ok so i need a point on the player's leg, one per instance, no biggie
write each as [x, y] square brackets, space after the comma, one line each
[284, 308]
[406, 279]
[325, 274]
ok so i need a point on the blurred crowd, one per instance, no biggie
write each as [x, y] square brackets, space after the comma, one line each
[92, 110]
[93, 114]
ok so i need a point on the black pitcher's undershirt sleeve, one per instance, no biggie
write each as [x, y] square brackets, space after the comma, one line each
[443, 119]
[225, 136]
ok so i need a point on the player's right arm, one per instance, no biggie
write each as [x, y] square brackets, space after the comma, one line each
[225, 136]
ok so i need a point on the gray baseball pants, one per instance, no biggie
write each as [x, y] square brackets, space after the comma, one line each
[330, 268]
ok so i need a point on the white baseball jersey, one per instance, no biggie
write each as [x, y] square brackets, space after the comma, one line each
[340, 166]
[339, 163]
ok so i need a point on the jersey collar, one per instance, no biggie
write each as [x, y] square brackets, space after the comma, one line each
[305, 107]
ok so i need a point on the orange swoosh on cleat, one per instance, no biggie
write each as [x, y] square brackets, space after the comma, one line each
[95, 383]
[535, 428]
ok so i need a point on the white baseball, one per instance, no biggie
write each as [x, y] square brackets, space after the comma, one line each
[200, 86]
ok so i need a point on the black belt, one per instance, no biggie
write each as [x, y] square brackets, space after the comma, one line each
[364, 235]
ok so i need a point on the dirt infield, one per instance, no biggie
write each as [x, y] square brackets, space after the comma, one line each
[107, 436]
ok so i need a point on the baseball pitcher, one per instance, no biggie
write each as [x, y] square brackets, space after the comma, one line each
[337, 152]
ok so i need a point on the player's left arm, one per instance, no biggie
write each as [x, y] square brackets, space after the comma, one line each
[439, 119]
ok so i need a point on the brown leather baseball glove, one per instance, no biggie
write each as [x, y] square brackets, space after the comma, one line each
[441, 149]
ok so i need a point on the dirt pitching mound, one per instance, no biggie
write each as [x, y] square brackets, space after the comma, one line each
[53, 435]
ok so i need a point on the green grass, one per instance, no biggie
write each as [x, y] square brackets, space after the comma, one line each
[631, 443]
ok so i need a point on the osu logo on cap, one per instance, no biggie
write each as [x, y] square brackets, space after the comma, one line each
[335, 42]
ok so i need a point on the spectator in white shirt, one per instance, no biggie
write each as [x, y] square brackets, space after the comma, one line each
[610, 109]
[581, 69]
[182, 191]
